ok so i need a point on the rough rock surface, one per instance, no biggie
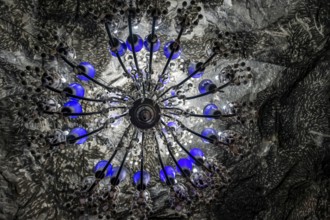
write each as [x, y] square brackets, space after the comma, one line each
[286, 173]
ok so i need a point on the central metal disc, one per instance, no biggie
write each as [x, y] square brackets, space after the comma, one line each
[145, 113]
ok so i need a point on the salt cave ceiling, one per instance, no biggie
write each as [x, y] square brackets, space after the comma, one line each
[284, 171]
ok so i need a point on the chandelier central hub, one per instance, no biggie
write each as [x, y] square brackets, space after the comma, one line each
[145, 113]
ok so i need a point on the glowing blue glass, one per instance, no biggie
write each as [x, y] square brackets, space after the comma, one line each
[147, 43]
[197, 153]
[209, 110]
[173, 92]
[185, 165]
[122, 175]
[73, 107]
[191, 69]
[168, 49]
[100, 165]
[77, 132]
[138, 43]
[210, 133]
[172, 124]
[204, 86]
[89, 70]
[120, 46]
[75, 89]
[137, 178]
[169, 171]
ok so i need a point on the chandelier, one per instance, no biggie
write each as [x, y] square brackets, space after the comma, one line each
[145, 122]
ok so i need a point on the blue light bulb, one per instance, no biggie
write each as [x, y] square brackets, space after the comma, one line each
[172, 124]
[89, 70]
[194, 66]
[137, 43]
[173, 92]
[147, 42]
[72, 107]
[185, 165]
[198, 154]
[168, 48]
[211, 109]
[120, 46]
[205, 86]
[77, 132]
[137, 180]
[210, 133]
[121, 177]
[75, 89]
[100, 166]
[170, 173]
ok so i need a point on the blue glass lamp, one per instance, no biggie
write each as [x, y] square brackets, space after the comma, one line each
[192, 67]
[100, 166]
[137, 180]
[121, 177]
[72, 107]
[75, 89]
[206, 85]
[211, 109]
[137, 43]
[186, 166]
[210, 133]
[120, 46]
[170, 173]
[77, 132]
[147, 42]
[198, 154]
[89, 70]
[168, 47]
[172, 124]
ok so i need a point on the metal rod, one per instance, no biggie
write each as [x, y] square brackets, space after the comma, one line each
[107, 28]
[212, 116]
[175, 161]
[111, 158]
[124, 159]
[171, 97]
[177, 41]
[142, 161]
[74, 96]
[86, 113]
[191, 75]
[108, 163]
[68, 61]
[154, 19]
[195, 133]
[81, 114]
[161, 162]
[111, 42]
[121, 166]
[184, 149]
[209, 92]
[165, 67]
[80, 137]
[132, 43]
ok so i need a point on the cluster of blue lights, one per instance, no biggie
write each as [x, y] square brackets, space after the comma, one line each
[138, 44]
[185, 164]
[73, 105]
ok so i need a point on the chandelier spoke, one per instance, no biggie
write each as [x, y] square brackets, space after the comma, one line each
[168, 182]
[184, 149]
[203, 66]
[183, 173]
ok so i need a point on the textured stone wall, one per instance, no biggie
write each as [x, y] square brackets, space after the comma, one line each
[284, 175]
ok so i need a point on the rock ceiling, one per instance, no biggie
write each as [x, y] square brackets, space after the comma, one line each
[284, 171]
